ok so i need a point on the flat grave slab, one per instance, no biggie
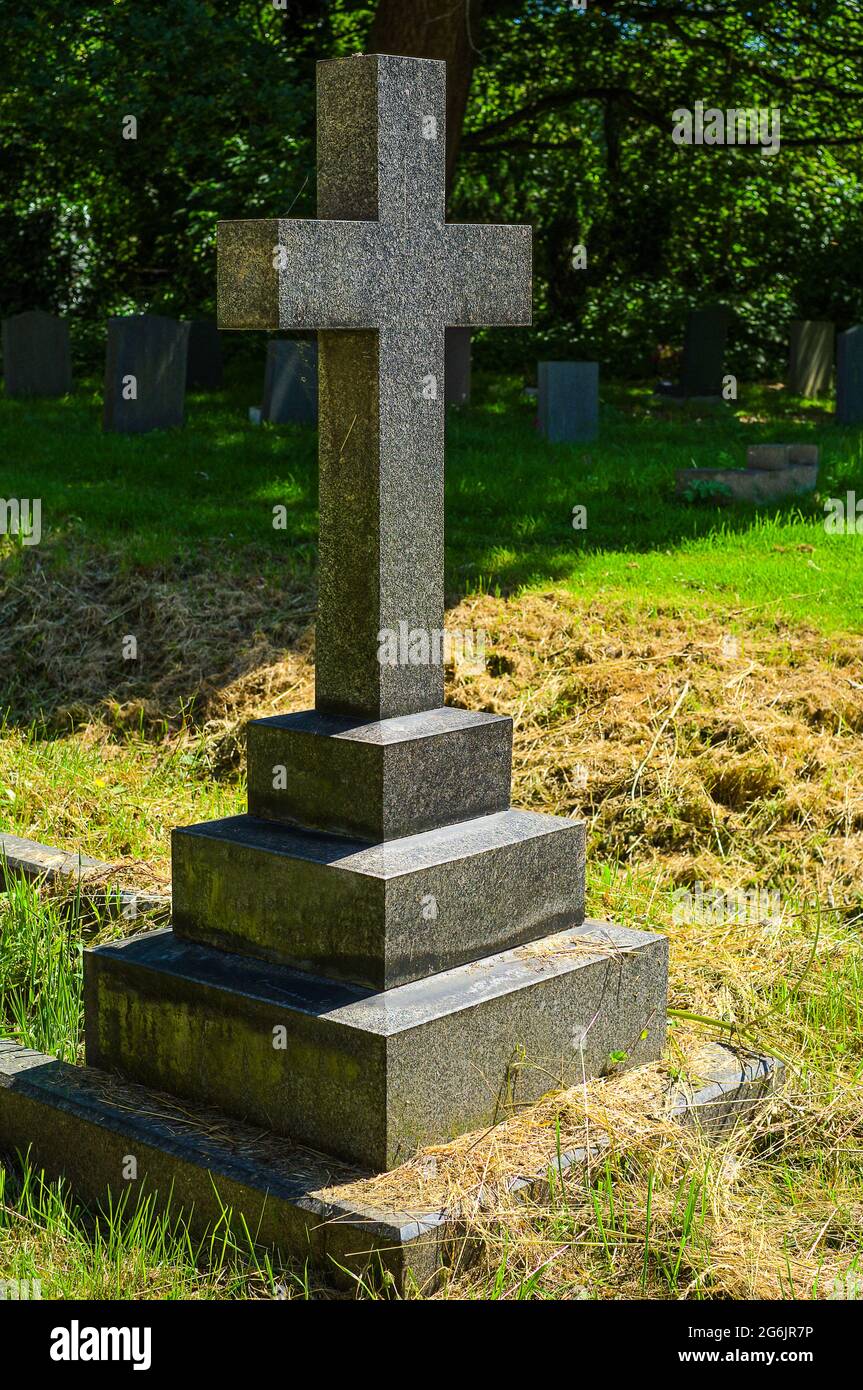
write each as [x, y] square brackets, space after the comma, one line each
[80, 1123]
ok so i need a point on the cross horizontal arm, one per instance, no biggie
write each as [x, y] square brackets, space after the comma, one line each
[247, 285]
[488, 275]
[331, 274]
[291, 273]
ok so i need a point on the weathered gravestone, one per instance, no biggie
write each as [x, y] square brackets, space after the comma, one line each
[457, 369]
[145, 374]
[703, 366]
[204, 356]
[568, 401]
[36, 355]
[810, 367]
[291, 383]
[849, 377]
[382, 952]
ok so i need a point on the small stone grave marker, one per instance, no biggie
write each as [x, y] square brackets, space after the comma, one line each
[568, 401]
[810, 368]
[457, 369]
[145, 374]
[849, 377]
[703, 366]
[291, 382]
[204, 358]
[773, 473]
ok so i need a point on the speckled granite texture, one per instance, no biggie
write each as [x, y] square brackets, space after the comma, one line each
[379, 780]
[381, 261]
[379, 915]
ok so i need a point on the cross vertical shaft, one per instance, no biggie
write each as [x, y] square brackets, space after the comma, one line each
[380, 274]
[382, 445]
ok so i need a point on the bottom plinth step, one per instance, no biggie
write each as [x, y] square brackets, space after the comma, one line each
[85, 1125]
[372, 1077]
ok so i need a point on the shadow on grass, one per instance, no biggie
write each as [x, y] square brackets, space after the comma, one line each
[170, 537]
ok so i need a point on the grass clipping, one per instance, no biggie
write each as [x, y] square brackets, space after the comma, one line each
[650, 1208]
[725, 749]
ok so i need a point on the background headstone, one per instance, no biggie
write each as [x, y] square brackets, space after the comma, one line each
[204, 360]
[291, 383]
[457, 366]
[849, 377]
[568, 401]
[810, 367]
[704, 350]
[152, 350]
[36, 356]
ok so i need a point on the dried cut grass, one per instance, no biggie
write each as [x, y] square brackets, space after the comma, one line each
[211, 645]
[651, 1208]
[725, 750]
[727, 756]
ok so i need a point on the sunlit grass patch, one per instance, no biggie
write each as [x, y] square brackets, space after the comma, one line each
[130, 1249]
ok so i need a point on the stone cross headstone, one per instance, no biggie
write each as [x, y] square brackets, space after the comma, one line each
[291, 383]
[204, 357]
[145, 374]
[810, 368]
[568, 401]
[379, 274]
[704, 350]
[382, 952]
[849, 377]
[457, 371]
[36, 355]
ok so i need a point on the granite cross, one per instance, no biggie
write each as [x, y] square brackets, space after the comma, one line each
[380, 274]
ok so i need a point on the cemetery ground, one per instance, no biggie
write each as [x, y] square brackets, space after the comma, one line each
[686, 677]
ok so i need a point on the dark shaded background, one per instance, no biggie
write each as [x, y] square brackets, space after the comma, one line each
[567, 124]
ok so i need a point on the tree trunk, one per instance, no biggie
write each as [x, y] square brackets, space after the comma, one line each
[445, 29]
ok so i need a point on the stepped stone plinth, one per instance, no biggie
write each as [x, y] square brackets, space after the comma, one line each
[416, 772]
[371, 1076]
[378, 915]
[382, 952]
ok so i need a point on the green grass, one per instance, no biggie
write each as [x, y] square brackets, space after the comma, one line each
[40, 971]
[160, 499]
[128, 1251]
[113, 810]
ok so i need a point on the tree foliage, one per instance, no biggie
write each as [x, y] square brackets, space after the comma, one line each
[570, 122]
[568, 125]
